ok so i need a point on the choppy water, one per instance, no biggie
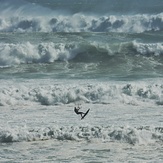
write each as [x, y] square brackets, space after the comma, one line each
[105, 55]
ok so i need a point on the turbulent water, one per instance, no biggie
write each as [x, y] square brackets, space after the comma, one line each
[100, 54]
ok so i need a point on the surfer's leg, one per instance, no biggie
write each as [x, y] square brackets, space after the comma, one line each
[81, 113]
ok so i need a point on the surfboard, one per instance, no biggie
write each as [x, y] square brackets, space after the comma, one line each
[85, 114]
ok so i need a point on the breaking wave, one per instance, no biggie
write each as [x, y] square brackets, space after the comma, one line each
[130, 135]
[130, 94]
[82, 23]
[12, 54]
[19, 53]
[39, 16]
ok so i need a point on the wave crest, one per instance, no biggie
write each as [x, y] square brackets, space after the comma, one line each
[83, 23]
[13, 54]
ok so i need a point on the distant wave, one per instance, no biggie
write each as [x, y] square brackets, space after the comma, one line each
[131, 135]
[82, 23]
[131, 94]
[19, 53]
[51, 16]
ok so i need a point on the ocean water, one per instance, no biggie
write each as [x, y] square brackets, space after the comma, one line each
[106, 55]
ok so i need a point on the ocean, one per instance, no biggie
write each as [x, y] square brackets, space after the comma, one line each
[106, 55]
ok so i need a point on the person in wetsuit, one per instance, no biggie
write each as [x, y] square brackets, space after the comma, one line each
[76, 110]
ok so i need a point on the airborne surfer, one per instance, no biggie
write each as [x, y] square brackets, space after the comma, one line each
[76, 110]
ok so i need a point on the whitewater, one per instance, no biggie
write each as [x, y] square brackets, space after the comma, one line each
[104, 55]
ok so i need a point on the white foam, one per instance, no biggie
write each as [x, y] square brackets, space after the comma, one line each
[27, 52]
[126, 134]
[139, 93]
[82, 23]
[154, 49]
[12, 54]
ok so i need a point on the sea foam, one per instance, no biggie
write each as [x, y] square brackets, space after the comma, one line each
[82, 23]
[12, 54]
[93, 51]
[54, 94]
[126, 134]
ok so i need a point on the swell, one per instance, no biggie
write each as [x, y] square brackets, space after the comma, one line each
[131, 135]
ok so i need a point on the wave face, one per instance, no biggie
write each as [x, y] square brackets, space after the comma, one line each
[13, 54]
[94, 53]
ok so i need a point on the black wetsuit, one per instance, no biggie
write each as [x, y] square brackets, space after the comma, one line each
[77, 111]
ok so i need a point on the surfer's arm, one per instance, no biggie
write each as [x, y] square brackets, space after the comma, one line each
[79, 108]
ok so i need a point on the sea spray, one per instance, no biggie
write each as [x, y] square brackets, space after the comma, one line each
[82, 23]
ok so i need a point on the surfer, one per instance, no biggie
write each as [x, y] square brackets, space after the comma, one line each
[76, 110]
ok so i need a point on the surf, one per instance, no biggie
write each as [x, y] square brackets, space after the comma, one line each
[31, 16]
[136, 93]
[82, 23]
[90, 52]
[125, 134]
